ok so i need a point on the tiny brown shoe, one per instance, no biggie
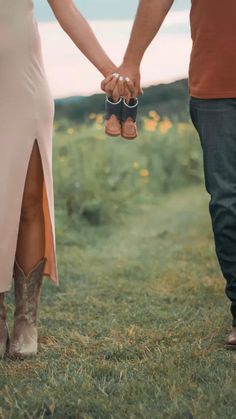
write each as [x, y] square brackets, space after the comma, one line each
[112, 126]
[129, 129]
[128, 120]
[230, 342]
[113, 116]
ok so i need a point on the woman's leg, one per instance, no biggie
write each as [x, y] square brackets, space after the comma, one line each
[31, 238]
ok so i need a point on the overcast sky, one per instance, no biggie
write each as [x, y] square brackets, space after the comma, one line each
[102, 9]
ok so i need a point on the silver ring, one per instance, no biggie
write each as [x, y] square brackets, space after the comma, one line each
[116, 75]
[127, 79]
[121, 78]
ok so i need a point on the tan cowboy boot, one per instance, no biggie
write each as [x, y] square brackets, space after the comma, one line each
[113, 115]
[24, 339]
[4, 335]
[113, 126]
[128, 119]
[230, 342]
[129, 129]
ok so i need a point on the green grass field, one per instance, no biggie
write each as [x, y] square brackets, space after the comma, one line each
[137, 325]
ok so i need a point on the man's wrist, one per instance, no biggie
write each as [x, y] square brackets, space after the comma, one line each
[129, 69]
[131, 61]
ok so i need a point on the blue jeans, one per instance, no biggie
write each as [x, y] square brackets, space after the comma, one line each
[215, 122]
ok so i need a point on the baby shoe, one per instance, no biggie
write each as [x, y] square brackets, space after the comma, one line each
[128, 119]
[113, 116]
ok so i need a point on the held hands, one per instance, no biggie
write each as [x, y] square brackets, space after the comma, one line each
[124, 82]
[122, 87]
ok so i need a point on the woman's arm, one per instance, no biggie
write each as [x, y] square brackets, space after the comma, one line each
[78, 29]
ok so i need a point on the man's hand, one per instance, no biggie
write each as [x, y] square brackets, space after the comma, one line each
[133, 73]
[126, 85]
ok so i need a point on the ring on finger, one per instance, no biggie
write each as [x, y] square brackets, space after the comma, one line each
[116, 75]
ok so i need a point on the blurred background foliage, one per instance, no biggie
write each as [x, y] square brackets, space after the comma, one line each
[97, 177]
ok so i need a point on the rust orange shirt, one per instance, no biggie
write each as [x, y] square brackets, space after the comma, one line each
[212, 68]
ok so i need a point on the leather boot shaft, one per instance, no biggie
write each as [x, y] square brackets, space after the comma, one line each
[27, 291]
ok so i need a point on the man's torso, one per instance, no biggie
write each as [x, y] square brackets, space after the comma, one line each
[212, 70]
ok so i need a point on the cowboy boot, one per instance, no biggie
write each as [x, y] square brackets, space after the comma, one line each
[24, 339]
[4, 334]
[113, 116]
[128, 119]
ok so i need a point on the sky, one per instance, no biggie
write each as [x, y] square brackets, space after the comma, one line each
[104, 9]
[70, 73]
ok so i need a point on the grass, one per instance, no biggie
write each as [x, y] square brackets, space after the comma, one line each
[137, 326]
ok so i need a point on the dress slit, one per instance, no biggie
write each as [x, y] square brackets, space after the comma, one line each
[50, 268]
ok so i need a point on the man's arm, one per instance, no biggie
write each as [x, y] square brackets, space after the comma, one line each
[148, 20]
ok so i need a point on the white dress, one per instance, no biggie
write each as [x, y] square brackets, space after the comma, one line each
[26, 115]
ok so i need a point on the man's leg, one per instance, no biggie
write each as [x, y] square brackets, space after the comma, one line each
[215, 122]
